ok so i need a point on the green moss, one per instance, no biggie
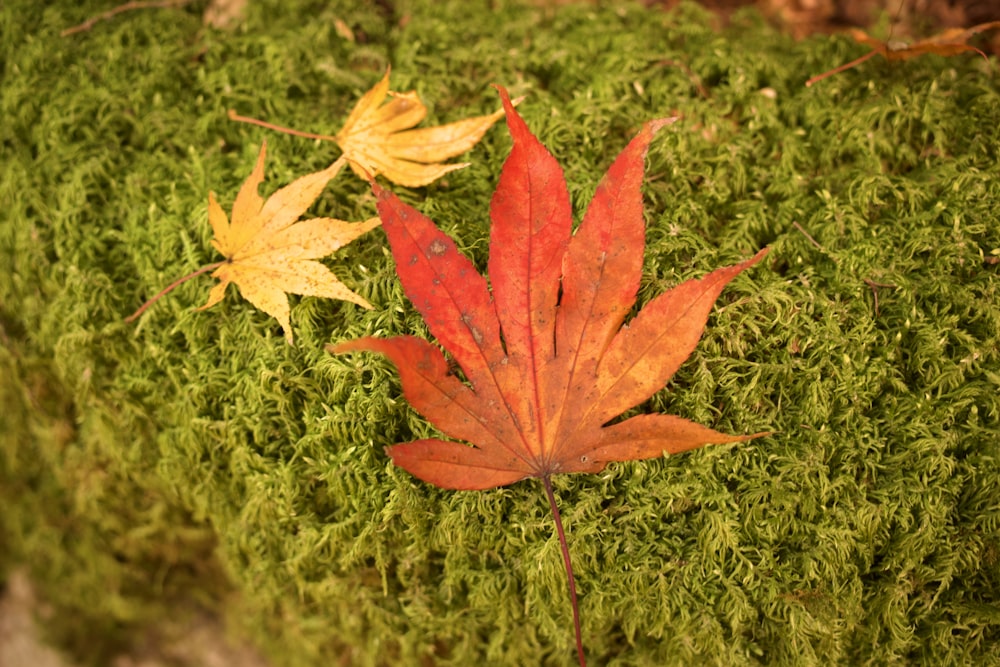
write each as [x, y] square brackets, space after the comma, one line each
[195, 457]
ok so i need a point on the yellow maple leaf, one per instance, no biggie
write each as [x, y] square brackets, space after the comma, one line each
[269, 252]
[375, 138]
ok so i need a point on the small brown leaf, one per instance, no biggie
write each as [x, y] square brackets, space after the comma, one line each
[947, 43]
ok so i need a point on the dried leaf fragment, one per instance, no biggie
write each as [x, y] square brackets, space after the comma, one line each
[224, 14]
[947, 43]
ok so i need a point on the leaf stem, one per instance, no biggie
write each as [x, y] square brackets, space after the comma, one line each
[845, 66]
[169, 288]
[231, 113]
[547, 481]
[128, 6]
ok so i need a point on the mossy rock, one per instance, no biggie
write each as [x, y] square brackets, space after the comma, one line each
[196, 458]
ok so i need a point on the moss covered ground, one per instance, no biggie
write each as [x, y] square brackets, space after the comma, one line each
[194, 460]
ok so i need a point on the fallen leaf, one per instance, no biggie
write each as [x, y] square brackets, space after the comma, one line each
[546, 363]
[547, 360]
[375, 138]
[269, 252]
[947, 43]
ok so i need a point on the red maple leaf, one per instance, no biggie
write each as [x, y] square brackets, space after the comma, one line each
[546, 361]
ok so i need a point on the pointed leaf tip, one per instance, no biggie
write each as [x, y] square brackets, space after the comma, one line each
[759, 255]
[513, 117]
[504, 96]
[657, 124]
